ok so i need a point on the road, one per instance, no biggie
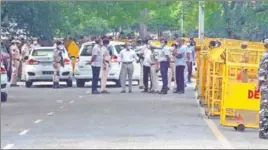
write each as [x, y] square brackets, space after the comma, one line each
[42, 117]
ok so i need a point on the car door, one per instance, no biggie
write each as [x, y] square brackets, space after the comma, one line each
[83, 65]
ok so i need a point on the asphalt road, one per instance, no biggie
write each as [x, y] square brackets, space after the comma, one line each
[42, 117]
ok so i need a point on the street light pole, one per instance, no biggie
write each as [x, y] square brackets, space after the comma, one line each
[201, 22]
[182, 19]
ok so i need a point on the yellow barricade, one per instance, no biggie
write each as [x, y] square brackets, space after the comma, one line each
[214, 80]
[240, 97]
[256, 45]
[201, 69]
[202, 77]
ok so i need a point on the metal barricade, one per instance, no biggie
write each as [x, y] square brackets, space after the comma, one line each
[240, 104]
[202, 77]
[240, 98]
[213, 82]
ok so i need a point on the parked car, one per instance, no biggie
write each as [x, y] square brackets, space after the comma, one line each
[4, 82]
[5, 58]
[83, 71]
[39, 67]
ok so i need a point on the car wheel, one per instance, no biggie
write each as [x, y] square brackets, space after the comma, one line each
[28, 84]
[69, 83]
[3, 96]
[80, 83]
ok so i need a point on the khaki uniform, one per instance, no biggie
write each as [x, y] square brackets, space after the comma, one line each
[105, 68]
[171, 70]
[15, 62]
[141, 66]
[25, 51]
[154, 70]
[56, 65]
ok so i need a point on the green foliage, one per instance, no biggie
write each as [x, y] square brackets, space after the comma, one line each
[243, 19]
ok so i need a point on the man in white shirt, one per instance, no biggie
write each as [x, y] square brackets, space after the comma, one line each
[126, 57]
[146, 52]
[140, 46]
[96, 63]
[105, 65]
[164, 60]
[190, 51]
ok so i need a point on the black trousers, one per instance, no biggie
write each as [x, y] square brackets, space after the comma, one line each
[146, 75]
[95, 77]
[164, 74]
[190, 68]
[180, 78]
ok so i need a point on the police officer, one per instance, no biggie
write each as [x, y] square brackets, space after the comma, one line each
[57, 63]
[164, 60]
[96, 63]
[190, 51]
[186, 65]
[192, 44]
[139, 48]
[180, 63]
[105, 66]
[35, 43]
[171, 69]
[154, 69]
[263, 87]
[25, 51]
[15, 62]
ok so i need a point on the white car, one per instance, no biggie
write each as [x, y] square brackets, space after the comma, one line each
[39, 67]
[83, 70]
[4, 82]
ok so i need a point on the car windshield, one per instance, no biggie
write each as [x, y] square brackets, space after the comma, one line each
[87, 50]
[42, 52]
[118, 48]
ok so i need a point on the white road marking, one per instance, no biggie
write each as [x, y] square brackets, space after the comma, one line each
[71, 102]
[81, 96]
[24, 132]
[50, 114]
[8, 146]
[87, 92]
[213, 127]
[37, 121]
[61, 107]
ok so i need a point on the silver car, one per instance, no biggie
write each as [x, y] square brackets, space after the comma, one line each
[39, 67]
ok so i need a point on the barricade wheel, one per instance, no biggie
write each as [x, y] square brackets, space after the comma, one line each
[240, 128]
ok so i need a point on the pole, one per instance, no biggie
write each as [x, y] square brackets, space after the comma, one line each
[182, 19]
[201, 23]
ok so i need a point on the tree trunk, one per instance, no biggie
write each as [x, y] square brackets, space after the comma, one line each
[48, 36]
[143, 25]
